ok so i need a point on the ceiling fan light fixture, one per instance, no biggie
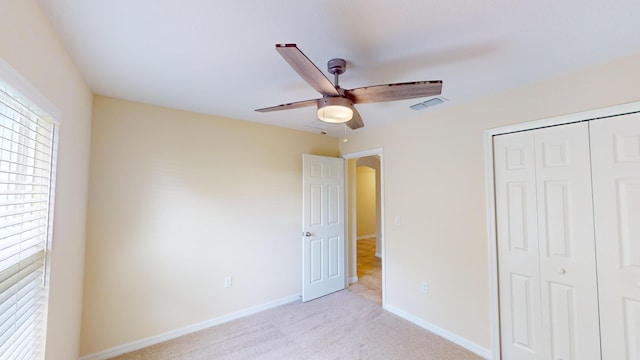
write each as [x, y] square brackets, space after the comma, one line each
[335, 110]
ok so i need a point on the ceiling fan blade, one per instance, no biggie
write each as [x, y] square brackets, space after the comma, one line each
[306, 69]
[293, 105]
[356, 120]
[391, 92]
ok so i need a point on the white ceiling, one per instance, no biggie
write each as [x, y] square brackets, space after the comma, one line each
[218, 57]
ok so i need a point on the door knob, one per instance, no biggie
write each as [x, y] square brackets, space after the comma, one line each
[562, 271]
[307, 234]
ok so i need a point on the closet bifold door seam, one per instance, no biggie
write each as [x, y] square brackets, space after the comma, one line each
[567, 242]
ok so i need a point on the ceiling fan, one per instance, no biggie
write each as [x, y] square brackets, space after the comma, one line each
[336, 104]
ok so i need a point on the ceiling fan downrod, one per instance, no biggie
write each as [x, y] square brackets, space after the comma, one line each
[336, 67]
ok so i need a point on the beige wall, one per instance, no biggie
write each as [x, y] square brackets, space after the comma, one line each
[435, 181]
[365, 201]
[177, 202]
[180, 200]
[29, 45]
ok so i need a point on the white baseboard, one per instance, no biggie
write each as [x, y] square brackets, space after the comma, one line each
[456, 339]
[363, 237]
[352, 280]
[140, 344]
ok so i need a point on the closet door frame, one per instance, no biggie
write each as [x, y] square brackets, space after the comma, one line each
[490, 195]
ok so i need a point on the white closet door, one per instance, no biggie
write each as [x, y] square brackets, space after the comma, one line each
[546, 250]
[615, 144]
[518, 258]
[569, 291]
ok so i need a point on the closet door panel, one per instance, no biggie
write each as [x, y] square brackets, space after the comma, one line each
[615, 147]
[519, 273]
[567, 246]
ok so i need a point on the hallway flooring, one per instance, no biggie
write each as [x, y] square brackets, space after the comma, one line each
[369, 283]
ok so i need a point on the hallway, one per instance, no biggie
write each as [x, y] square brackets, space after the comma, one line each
[369, 283]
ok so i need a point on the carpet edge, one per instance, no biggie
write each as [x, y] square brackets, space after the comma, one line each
[170, 335]
[454, 338]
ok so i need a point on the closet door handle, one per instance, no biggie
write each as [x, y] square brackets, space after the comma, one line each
[562, 271]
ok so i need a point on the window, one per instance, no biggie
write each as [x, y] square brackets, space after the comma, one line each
[26, 196]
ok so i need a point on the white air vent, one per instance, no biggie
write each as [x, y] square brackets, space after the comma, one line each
[428, 103]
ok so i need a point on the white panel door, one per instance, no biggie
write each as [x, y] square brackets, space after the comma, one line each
[518, 258]
[569, 291]
[546, 249]
[615, 144]
[323, 268]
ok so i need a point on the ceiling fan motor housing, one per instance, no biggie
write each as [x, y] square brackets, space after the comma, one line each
[336, 66]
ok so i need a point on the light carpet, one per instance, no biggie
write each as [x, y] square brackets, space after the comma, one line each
[341, 325]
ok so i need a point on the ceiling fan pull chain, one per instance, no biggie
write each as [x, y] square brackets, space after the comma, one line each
[345, 132]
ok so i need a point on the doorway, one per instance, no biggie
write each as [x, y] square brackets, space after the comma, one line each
[365, 224]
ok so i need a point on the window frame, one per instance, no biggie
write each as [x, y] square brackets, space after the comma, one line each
[23, 88]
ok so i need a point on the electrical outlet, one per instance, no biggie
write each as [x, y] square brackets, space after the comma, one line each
[424, 287]
[228, 282]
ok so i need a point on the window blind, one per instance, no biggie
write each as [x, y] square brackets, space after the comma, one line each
[26, 143]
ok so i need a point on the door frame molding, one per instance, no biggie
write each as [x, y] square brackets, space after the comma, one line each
[356, 155]
[490, 195]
